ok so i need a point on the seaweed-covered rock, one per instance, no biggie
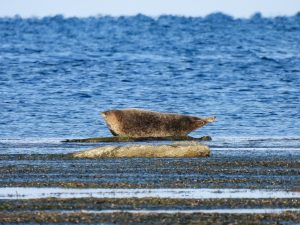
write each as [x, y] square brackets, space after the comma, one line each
[138, 139]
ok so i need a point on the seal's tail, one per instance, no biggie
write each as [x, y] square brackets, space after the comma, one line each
[210, 119]
[203, 121]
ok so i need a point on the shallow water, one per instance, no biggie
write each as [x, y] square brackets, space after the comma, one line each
[220, 146]
[57, 74]
[222, 211]
[175, 193]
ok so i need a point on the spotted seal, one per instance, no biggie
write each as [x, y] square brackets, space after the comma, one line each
[144, 123]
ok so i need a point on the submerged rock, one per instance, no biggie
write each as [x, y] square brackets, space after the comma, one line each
[181, 149]
[143, 123]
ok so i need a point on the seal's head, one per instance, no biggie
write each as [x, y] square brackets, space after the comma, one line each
[109, 115]
[111, 121]
[104, 114]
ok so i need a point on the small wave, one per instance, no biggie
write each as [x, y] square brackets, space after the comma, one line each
[268, 59]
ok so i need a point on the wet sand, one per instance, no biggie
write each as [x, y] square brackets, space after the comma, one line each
[275, 172]
[85, 211]
[128, 218]
[144, 203]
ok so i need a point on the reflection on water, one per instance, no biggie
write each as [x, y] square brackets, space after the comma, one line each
[190, 211]
[204, 193]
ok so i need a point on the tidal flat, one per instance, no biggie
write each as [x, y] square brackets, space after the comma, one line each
[243, 180]
[251, 171]
[150, 210]
[128, 218]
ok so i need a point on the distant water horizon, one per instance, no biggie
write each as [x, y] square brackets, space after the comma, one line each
[254, 15]
[57, 74]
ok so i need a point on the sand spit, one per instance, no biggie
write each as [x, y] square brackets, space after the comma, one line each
[182, 149]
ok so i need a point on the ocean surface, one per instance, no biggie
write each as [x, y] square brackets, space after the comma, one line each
[57, 74]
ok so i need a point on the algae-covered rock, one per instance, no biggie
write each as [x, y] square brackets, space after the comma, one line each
[138, 139]
[181, 149]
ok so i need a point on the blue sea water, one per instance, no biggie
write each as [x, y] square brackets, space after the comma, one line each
[57, 74]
